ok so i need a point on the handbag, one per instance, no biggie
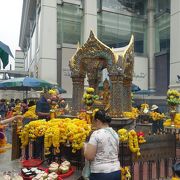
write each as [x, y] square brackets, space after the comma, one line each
[86, 170]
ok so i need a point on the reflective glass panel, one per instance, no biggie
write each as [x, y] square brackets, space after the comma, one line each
[69, 17]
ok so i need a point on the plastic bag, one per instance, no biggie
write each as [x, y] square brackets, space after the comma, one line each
[86, 170]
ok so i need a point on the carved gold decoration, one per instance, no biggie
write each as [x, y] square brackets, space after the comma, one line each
[92, 49]
[128, 60]
[94, 56]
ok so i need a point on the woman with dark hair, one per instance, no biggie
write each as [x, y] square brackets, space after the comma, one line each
[102, 150]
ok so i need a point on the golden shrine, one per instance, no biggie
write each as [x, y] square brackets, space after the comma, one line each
[90, 59]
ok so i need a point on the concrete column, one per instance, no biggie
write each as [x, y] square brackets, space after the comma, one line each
[175, 44]
[151, 43]
[89, 18]
[47, 65]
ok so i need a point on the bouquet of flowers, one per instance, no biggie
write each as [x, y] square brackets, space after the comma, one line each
[133, 114]
[31, 113]
[157, 116]
[173, 97]
[89, 97]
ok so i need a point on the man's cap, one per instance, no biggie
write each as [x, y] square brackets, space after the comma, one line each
[154, 107]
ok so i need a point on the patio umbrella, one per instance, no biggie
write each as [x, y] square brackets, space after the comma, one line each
[24, 83]
[61, 90]
[145, 92]
[4, 54]
[134, 88]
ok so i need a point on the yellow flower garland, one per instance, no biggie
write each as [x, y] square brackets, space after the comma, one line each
[125, 173]
[31, 113]
[133, 114]
[175, 178]
[132, 138]
[123, 135]
[57, 132]
[157, 116]
[133, 142]
[17, 110]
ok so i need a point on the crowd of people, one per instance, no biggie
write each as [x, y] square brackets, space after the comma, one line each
[16, 109]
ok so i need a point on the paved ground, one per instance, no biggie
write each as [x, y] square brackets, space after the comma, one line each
[7, 165]
[14, 166]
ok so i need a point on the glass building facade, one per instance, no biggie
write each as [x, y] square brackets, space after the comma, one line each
[69, 20]
[162, 25]
[116, 21]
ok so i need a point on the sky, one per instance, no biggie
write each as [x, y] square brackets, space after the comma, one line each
[10, 22]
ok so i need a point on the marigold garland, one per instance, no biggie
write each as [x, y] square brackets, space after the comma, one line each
[157, 116]
[144, 106]
[17, 110]
[123, 135]
[57, 132]
[31, 113]
[133, 142]
[133, 114]
[176, 121]
[133, 138]
[125, 173]
[175, 178]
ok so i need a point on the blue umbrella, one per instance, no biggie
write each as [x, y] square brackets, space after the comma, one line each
[25, 83]
[135, 88]
[61, 90]
[4, 54]
[145, 92]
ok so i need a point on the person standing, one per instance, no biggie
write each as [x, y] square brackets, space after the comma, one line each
[157, 126]
[43, 106]
[102, 150]
[11, 104]
[3, 108]
[43, 112]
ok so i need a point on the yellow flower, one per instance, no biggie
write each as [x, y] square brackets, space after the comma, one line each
[125, 173]
[123, 134]
[156, 116]
[57, 132]
[133, 142]
[132, 115]
[52, 92]
[31, 113]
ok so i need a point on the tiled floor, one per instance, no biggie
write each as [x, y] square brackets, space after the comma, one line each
[7, 165]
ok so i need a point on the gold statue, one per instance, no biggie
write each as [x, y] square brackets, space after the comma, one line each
[105, 94]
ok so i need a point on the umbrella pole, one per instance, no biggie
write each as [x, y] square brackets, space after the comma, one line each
[26, 93]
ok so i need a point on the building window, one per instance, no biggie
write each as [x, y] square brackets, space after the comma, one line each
[116, 29]
[69, 18]
[136, 7]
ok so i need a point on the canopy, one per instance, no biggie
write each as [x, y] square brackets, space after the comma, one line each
[145, 92]
[24, 83]
[134, 87]
[4, 54]
[61, 90]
